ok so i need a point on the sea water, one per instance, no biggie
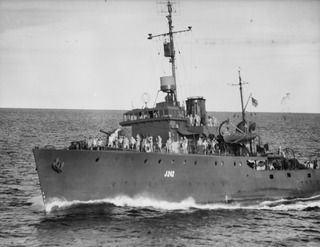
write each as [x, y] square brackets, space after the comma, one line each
[142, 221]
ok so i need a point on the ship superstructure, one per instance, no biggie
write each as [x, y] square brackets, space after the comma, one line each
[169, 117]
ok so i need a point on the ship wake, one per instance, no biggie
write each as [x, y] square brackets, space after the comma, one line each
[142, 201]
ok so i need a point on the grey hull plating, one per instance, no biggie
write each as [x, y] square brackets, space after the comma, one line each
[92, 175]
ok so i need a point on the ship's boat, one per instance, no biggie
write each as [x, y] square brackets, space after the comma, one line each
[172, 153]
[239, 137]
[242, 134]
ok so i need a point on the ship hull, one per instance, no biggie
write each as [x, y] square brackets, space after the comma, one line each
[92, 175]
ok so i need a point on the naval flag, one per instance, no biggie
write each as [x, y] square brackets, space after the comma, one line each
[254, 102]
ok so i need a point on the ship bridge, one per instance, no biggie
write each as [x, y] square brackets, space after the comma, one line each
[158, 121]
[165, 118]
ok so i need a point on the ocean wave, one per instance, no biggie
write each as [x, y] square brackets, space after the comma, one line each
[298, 204]
[143, 201]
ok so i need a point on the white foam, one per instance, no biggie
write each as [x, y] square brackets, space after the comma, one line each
[37, 203]
[296, 205]
[143, 201]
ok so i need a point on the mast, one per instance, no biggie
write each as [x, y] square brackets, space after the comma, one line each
[241, 96]
[243, 108]
[169, 47]
[172, 51]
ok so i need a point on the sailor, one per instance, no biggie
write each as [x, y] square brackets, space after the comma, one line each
[315, 164]
[169, 144]
[145, 145]
[90, 143]
[261, 166]
[126, 142]
[113, 139]
[271, 167]
[200, 142]
[195, 120]
[205, 146]
[138, 143]
[214, 144]
[200, 145]
[181, 145]
[100, 143]
[198, 119]
[95, 143]
[159, 143]
[190, 120]
[120, 142]
[150, 142]
[185, 145]
[132, 142]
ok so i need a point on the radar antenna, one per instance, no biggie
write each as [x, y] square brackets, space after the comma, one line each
[169, 46]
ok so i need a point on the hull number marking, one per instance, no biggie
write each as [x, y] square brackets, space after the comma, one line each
[169, 174]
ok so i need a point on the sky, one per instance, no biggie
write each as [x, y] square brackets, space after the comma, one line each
[94, 54]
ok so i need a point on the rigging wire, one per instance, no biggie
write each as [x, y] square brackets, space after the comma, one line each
[160, 47]
[179, 83]
[155, 101]
[187, 73]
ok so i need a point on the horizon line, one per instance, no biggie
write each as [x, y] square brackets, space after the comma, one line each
[95, 109]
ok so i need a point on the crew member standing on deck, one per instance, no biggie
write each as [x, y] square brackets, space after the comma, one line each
[159, 143]
[132, 142]
[138, 143]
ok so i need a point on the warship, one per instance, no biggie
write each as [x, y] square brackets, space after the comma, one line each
[175, 151]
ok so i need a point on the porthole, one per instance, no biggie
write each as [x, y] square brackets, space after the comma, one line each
[289, 175]
[97, 159]
[271, 176]
[234, 163]
[159, 161]
[309, 175]
[145, 161]
[195, 162]
[215, 163]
